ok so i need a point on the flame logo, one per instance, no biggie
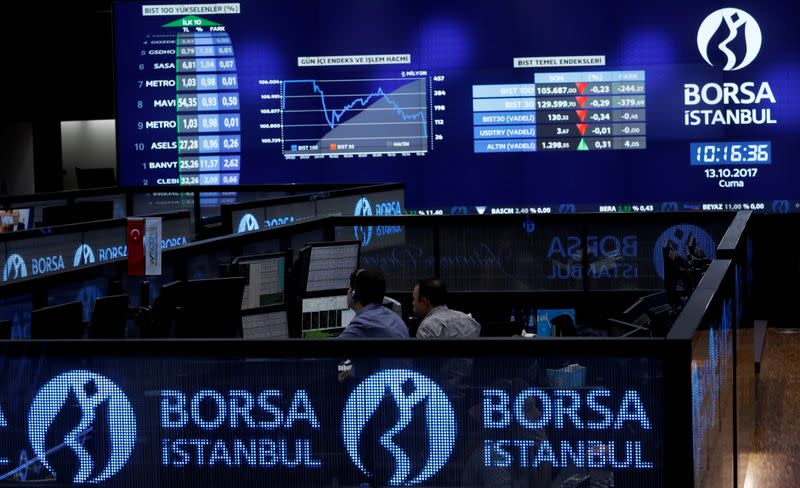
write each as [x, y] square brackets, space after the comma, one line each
[363, 403]
[91, 391]
[736, 21]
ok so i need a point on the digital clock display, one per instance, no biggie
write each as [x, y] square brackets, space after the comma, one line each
[720, 153]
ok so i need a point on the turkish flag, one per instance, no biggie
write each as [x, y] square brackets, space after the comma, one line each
[135, 247]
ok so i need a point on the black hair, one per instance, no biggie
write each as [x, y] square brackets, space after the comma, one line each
[434, 290]
[368, 285]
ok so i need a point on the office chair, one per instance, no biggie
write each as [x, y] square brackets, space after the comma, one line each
[110, 317]
[59, 322]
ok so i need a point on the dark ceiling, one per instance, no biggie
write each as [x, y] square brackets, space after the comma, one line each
[59, 61]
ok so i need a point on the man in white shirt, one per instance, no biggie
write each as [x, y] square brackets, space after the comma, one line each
[429, 304]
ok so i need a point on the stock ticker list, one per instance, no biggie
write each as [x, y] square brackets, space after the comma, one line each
[188, 97]
[575, 111]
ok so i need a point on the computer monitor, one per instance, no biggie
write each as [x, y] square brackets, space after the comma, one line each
[63, 321]
[265, 278]
[269, 325]
[164, 311]
[551, 321]
[15, 219]
[325, 316]
[110, 317]
[325, 267]
[210, 308]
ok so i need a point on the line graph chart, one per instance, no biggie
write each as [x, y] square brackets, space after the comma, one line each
[374, 116]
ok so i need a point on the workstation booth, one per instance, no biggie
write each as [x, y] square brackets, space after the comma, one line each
[615, 349]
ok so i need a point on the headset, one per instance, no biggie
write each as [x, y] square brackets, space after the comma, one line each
[353, 277]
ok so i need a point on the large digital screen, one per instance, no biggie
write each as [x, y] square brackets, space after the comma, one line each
[504, 104]
[235, 419]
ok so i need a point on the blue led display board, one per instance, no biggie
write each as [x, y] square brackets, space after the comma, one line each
[217, 420]
[509, 104]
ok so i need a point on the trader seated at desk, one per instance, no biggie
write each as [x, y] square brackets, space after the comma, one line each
[429, 303]
[373, 320]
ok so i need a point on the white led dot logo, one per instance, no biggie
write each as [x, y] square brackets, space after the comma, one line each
[248, 223]
[90, 391]
[14, 268]
[83, 256]
[409, 390]
[734, 22]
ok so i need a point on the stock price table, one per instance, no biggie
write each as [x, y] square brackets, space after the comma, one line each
[189, 90]
[581, 111]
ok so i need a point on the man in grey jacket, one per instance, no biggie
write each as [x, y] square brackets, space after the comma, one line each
[430, 304]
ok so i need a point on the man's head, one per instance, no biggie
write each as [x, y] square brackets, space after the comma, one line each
[366, 286]
[428, 294]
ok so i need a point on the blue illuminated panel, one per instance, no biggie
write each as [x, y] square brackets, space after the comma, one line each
[203, 39]
[206, 65]
[231, 163]
[204, 51]
[726, 153]
[320, 103]
[190, 417]
[494, 104]
[491, 118]
[208, 101]
[203, 82]
[209, 179]
[229, 179]
[209, 123]
[501, 131]
[574, 111]
[505, 145]
[589, 76]
[712, 382]
[209, 54]
[91, 391]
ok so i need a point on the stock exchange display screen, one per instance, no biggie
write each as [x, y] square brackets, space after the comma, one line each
[622, 104]
[231, 419]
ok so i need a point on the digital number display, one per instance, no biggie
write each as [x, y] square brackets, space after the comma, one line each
[720, 153]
